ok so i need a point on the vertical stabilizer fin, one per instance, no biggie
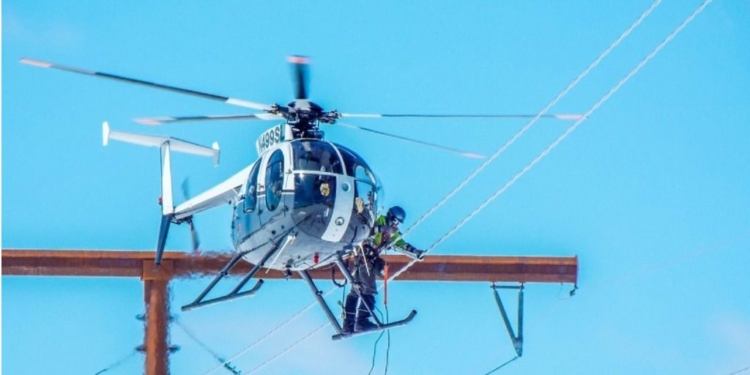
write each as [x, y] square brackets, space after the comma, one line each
[166, 145]
[167, 203]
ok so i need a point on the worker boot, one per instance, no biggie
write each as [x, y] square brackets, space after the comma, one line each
[350, 312]
[363, 314]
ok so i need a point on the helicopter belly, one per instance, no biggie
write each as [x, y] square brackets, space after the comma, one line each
[301, 251]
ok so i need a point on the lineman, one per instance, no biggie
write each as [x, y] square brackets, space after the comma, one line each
[368, 264]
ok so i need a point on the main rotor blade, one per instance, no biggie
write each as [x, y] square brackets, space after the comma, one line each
[301, 75]
[225, 99]
[444, 148]
[378, 115]
[167, 120]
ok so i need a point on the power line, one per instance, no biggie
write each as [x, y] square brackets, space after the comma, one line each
[565, 134]
[501, 366]
[271, 333]
[226, 364]
[574, 126]
[533, 121]
[287, 350]
[117, 363]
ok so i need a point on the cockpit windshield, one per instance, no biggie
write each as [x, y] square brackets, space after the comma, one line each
[368, 188]
[314, 189]
[316, 155]
[356, 164]
[332, 182]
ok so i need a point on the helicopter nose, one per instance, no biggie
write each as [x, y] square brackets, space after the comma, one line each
[324, 207]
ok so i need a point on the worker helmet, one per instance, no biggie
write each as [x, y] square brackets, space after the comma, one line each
[395, 215]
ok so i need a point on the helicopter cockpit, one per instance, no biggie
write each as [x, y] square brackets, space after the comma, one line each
[335, 191]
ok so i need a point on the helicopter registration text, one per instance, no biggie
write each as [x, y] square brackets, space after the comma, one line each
[269, 138]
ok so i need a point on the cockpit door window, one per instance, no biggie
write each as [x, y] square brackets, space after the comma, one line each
[274, 179]
[251, 194]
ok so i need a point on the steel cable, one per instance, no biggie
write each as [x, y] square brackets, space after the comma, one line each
[226, 364]
[533, 121]
[503, 365]
[571, 129]
[564, 135]
[117, 363]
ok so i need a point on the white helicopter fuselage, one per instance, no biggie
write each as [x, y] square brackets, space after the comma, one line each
[308, 198]
[303, 199]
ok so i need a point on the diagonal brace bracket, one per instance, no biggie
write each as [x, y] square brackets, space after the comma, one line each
[517, 340]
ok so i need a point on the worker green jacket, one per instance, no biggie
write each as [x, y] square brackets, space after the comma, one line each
[383, 235]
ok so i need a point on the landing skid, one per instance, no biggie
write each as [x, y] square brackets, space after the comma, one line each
[235, 293]
[332, 318]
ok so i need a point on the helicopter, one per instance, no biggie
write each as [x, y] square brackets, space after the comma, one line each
[305, 203]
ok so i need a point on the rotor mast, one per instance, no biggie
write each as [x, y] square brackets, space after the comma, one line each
[302, 115]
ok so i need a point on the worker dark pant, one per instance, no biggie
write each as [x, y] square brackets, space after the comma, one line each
[365, 276]
[365, 282]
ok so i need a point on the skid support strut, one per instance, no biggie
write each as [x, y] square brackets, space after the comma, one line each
[319, 297]
[517, 340]
[235, 293]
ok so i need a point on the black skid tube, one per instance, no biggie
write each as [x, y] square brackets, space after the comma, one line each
[235, 293]
[381, 327]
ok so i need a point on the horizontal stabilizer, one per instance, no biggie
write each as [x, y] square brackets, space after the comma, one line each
[175, 144]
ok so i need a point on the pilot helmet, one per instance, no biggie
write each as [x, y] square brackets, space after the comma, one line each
[395, 215]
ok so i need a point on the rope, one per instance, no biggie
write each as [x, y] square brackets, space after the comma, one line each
[375, 346]
[533, 121]
[388, 346]
[741, 370]
[375, 352]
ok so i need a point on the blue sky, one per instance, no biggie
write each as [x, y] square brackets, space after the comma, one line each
[651, 192]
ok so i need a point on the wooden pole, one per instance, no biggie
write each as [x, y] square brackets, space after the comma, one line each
[156, 322]
[156, 297]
